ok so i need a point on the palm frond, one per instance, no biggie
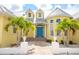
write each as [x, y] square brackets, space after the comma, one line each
[68, 24]
[6, 27]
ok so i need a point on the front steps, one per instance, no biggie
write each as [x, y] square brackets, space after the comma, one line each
[36, 39]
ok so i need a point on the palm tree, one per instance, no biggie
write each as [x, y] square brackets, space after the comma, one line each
[27, 26]
[19, 23]
[66, 25]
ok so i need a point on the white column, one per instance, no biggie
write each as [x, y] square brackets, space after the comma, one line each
[55, 35]
[49, 29]
[35, 32]
[45, 30]
[55, 44]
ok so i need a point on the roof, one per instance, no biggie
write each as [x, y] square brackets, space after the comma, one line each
[58, 12]
[76, 15]
[5, 11]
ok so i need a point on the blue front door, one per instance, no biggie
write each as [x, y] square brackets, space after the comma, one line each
[39, 32]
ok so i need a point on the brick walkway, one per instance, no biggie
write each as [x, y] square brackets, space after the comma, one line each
[39, 48]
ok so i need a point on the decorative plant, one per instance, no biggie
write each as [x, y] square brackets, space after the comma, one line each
[50, 40]
[20, 24]
[66, 25]
[60, 40]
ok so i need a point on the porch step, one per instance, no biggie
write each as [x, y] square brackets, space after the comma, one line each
[36, 39]
[40, 39]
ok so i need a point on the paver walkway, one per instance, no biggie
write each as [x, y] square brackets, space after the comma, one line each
[40, 48]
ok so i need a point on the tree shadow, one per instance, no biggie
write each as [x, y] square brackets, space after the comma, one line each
[30, 51]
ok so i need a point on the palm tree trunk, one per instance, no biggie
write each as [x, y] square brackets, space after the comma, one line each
[23, 36]
[17, 39]
[66, 38]
[21, 39]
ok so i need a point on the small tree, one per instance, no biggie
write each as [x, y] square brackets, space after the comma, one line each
[66, 25]
[20, 24]
[27, 27]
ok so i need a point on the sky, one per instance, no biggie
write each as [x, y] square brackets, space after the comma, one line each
[22, 7]
[18, 8]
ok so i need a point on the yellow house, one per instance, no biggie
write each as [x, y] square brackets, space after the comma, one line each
[45, 27]
[75, 38]
[6, 38]
[53, 19]
[38, 20]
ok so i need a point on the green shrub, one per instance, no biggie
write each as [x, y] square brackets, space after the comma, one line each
[60, 41]
[50, 40]
[70, 42]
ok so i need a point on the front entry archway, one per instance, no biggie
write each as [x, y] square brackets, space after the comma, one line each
[39, 31]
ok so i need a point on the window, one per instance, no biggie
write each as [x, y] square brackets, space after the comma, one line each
[51, 30]
[29, 14]
[39, 14]
[14, 29]
[59, 33]
[51, 21]
[58, 20]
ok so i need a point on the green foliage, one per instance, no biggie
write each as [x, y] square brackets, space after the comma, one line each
[12, 22]
[50, 40]
[68, 24]
[60, 40]
[20, 22]
[6, 27]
